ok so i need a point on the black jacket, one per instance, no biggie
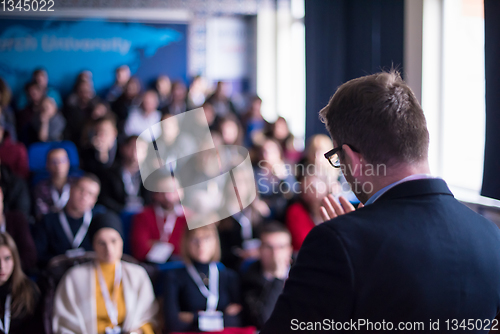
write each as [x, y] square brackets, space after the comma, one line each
[413, 255]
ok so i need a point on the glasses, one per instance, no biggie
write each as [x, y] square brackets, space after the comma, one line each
[333, 155]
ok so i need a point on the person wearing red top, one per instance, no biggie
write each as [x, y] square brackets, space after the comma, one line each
[13, 154]
[157, 231]
[304, 214]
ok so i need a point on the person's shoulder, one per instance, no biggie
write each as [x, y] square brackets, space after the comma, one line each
[133, 268]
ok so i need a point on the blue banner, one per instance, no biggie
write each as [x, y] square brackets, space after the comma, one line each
[66, 47]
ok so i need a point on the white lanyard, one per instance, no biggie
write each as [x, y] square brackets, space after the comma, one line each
[166, 226]
[111, 306]
[246, 225]
[212, 295]
[131, 187]
[6, 317]
[76, 240]
[60, 201]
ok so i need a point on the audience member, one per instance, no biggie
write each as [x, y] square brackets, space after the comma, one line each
[302, 215]
[263, 281]
[221, 101]
[65, 232]
[121, 293]
[41, 78]
[52, 195]
[142, 118]
[77, 111]
[129, 99]
[280, 132]
[6, 113]
[16, 192]
[122, 187]
[47, 125]
[16, 224]
[230, 129]
[202, 296]
[99, 109]
[22, 311]
[177, 103]
[13, 154]
[122, 76]
[101, 154]
[254, 124]
[157, 231]
[164, 89]
[197, 92]
[35, 95]
[274, 180]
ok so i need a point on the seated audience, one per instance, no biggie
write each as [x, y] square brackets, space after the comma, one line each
[16, 224]
[41, 78]
[163, 88]
[65, 232]
[73, 98]
[302, 215]
[106, 295]
[47, 125]
[99, 109]
[13, 154]
[141, 118]
[6, 113]
[201, 288]
[52, 195]
[197, 92]
[157, 231]
[22, 313]
[177, 103]
[221, 101]
[230, 129]
[122, 187]
[263, 281]
[15, 190]
[122, 76]
[129, 99]
[101, 154]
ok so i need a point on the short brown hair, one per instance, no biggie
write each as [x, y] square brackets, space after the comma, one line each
[379, 116]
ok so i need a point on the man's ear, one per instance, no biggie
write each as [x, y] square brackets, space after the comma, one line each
[354, 159]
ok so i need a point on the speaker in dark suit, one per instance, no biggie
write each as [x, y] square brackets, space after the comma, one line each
[413, 258]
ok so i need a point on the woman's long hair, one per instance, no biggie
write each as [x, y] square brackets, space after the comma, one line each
[23, 298]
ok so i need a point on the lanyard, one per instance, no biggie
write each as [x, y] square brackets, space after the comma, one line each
[246, 225]
[212, 295]
[131, 183]
[111, 306]
[60, 201]
[166, 226]
[76, 240]
[6, 317]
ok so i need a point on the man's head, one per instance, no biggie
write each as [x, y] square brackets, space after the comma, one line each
[122, 75]
[276, 246]
[376, 120]
[105, 132]
[128, 150]
[150, 101]
[58, 163]
[168, 199]
[84, 193]
[41, 77]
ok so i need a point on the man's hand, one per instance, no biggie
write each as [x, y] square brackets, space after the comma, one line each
[331, 209]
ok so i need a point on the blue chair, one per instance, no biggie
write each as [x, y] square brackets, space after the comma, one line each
[37, 155]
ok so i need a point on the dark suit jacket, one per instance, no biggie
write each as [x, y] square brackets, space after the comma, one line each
[415, 254]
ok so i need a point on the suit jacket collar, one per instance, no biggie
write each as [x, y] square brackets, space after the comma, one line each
[417, 188]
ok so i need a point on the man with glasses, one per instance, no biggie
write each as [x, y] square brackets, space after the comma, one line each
[413, 254]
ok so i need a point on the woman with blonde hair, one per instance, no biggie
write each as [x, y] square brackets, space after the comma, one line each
[202, 295]
[19, 296]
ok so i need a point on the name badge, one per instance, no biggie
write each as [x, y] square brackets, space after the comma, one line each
[160, 252]
[210, 321]
[75, 252]
[115, 330]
